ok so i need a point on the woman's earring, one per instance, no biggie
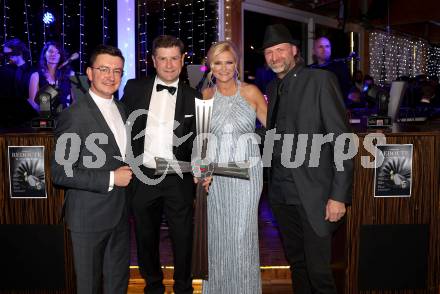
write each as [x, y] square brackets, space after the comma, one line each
[210, 79]
[236, 74]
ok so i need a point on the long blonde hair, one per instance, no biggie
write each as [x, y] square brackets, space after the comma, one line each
[219, 48]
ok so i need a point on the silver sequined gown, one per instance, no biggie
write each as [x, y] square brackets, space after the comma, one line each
[234, 262]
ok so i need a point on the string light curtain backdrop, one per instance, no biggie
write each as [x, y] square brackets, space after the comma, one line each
[392, 56]
[194, 22]
[80, 25]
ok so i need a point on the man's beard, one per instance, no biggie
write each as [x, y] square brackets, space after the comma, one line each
[279, 69]
[283, 67]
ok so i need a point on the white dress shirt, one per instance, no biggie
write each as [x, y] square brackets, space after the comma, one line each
[160, 124]
[113, 118]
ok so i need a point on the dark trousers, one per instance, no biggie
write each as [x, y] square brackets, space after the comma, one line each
[174, 197]
[102, 258]
[308, 254]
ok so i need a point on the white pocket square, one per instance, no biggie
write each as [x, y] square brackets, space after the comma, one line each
[189, 115]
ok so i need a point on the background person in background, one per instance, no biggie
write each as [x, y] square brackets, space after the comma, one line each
[357, 95]
[17, 54]
[434, 80]
[428, 93]
[15, 111]
[355, 99]
[358, 80]
[51, 73]
[322, 52]
[368, 81]
[368, 84]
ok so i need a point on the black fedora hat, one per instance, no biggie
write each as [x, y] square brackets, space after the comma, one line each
[276, 34]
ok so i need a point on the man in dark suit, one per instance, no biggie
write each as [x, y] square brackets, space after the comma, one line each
[89, 163]
[308, 199]
[169, 132]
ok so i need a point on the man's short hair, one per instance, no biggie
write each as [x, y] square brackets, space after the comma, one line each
[321, 37]
[167, 41]
[105, 49]
[17, 46]
[299, 60]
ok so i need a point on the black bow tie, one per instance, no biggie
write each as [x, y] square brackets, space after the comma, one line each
[160, 87]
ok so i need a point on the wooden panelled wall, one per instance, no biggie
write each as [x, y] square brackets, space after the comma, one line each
[423, 207]
[34, 211]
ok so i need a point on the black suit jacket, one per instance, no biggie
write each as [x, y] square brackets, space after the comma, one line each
[315, 106]
[89, 206]
[340, 69]
[137, 95]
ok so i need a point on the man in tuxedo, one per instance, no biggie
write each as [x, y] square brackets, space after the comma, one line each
[170, 105]
[308, 201]
[88, 162]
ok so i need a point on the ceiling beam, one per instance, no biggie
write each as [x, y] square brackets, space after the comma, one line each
[410, 11]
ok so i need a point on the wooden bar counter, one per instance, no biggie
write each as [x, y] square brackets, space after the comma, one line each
[32, 214]
[422, 208]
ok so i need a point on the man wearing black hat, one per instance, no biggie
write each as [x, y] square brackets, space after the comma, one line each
[308, 199]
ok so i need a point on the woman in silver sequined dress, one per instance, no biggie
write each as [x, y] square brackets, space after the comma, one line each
[234, 262]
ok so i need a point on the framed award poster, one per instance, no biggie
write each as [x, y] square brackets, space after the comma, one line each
[393, 170]
[26, 172]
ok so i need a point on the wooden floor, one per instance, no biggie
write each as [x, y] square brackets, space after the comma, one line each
[275, 272]
[275, 281]
[137, 287]
[271, 248]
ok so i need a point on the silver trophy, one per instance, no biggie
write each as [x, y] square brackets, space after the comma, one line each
[201, 167]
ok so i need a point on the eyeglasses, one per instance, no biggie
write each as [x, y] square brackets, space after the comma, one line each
[107, 70]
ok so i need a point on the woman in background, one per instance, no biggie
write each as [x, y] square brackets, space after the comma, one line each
[233, 254]
[51, 73]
